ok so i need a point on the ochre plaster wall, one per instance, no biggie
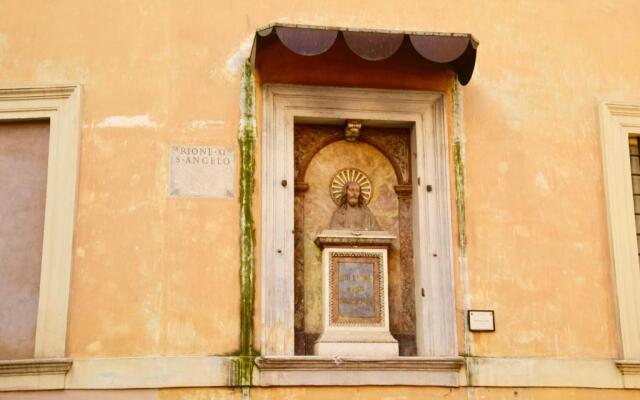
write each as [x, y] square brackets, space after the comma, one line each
[153, 275]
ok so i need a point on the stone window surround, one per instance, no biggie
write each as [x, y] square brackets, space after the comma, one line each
[438, 362]
[618, 122]
[60, 105]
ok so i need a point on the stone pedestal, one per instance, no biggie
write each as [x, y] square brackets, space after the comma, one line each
[355, 294]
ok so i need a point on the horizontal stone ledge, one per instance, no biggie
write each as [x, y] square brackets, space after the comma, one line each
[353, 238]
[274, 363]
[37, 92]
[35, 366]
[628, 367]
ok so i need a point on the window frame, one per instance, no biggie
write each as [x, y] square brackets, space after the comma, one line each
[619, 121]
[60, 105]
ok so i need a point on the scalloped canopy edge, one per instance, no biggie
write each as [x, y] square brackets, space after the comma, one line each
[456, 51]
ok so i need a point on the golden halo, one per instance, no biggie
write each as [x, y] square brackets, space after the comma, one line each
[344, 176]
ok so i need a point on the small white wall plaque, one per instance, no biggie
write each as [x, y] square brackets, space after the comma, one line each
[201, 171]
[481, 320]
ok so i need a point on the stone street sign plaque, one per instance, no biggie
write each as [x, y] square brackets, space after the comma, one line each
[202, 171]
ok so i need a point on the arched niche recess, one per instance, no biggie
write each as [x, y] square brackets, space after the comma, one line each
[376, 149]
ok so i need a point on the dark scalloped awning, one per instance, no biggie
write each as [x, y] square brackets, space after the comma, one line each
[456, 51]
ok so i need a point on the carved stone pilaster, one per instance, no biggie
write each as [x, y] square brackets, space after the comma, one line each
[405, 322]
[298, 291]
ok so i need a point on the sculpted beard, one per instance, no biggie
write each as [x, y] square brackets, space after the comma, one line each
[353, 194]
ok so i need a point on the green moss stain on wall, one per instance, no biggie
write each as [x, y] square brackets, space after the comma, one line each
[243, 365]
[458, 162]
[459, 171]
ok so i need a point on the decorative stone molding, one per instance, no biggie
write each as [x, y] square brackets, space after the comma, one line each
[628, 367]
[351, 371]
[330, 238]
[403, 190]
[36, 92]
[275, 363]
[216, 371]
[35, 366]
[301, 187]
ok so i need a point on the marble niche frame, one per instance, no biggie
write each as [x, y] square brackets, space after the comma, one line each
[437, 362]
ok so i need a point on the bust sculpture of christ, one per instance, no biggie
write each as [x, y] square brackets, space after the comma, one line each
[353, 213]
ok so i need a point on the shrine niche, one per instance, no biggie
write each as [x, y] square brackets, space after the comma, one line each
[353, 178]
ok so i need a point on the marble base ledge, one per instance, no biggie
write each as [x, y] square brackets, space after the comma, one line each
[35, 366]
[630, 370]
[628, 367]
[353, 238]
[359, 363]
[358, 371]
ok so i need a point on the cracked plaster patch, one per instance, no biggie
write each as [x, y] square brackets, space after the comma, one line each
[127, 121]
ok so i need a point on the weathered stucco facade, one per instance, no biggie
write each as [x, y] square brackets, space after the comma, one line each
[155, 293]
